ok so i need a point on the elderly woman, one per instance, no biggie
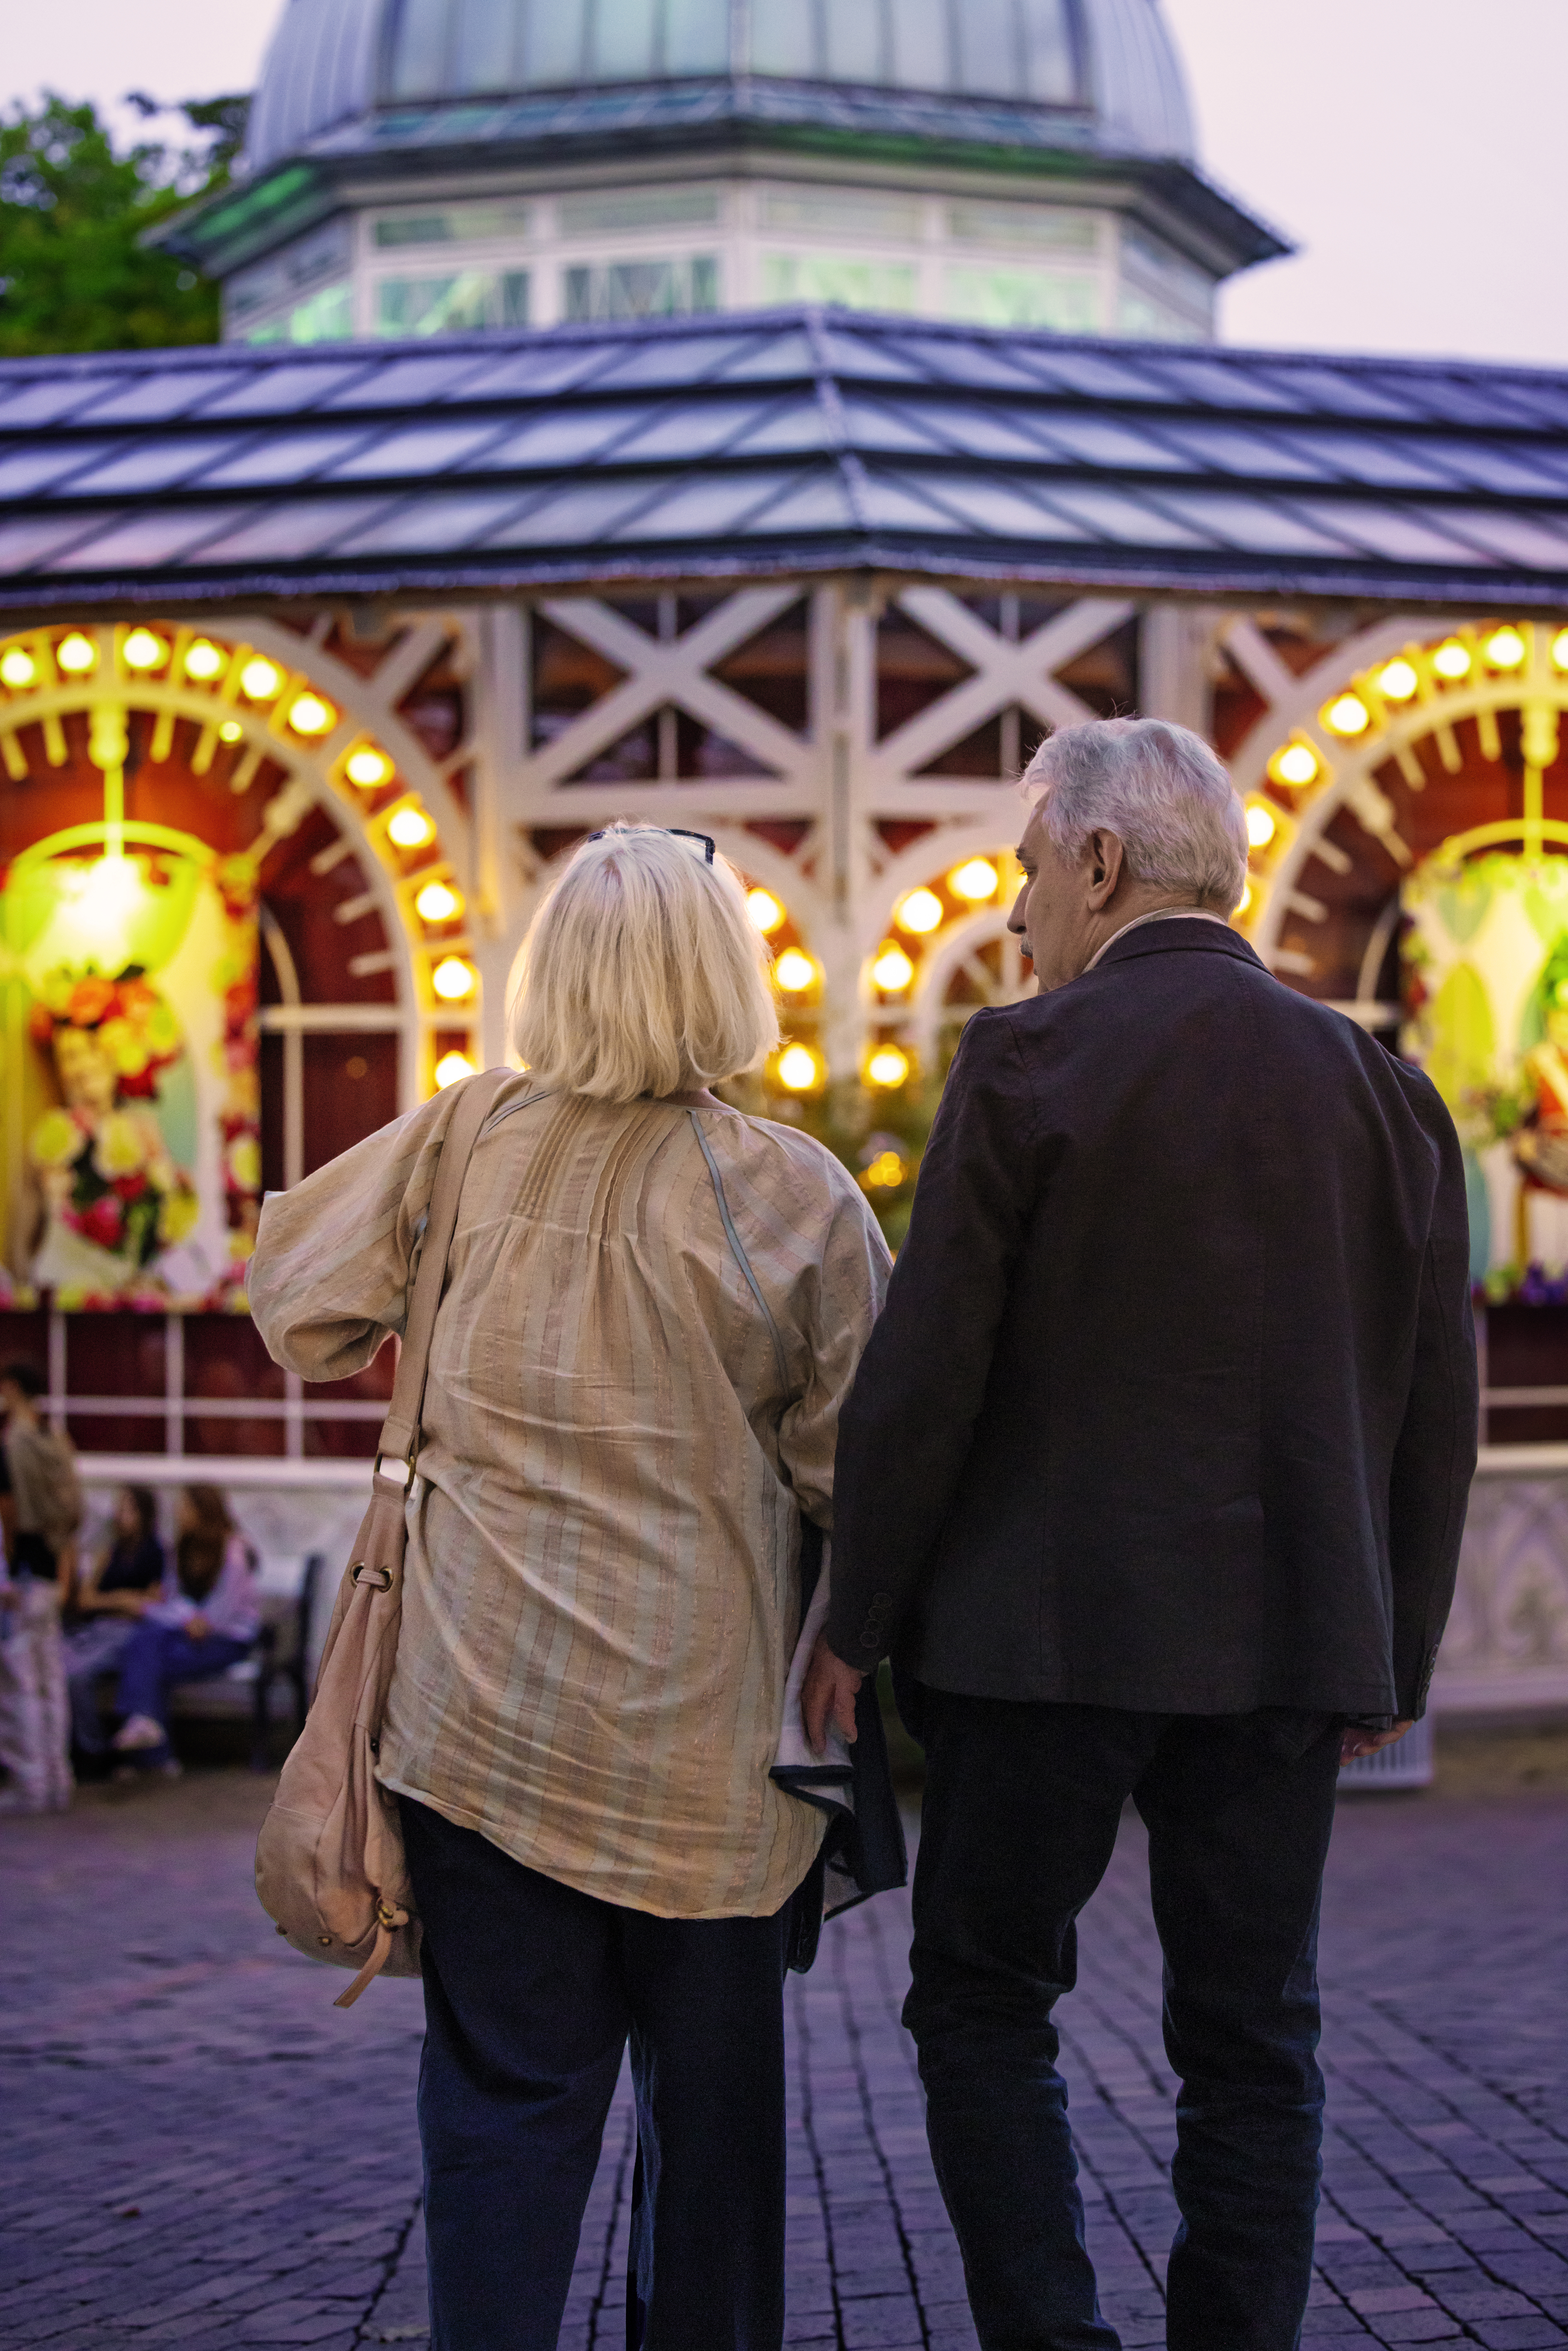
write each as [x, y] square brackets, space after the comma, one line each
[655, 1311]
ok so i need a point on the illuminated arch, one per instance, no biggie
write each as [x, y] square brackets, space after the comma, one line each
[256, 685]
[1319, 750]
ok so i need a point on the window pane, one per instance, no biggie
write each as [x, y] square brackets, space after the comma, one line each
[989, 47]
[555, 42]
[857, 43]
[659, 289]
[835, 277]
[1024, 297]
[640, 289]
[696, 36]
[323, 317]
[1047, 226]
[623, 40]
[419, 50]
[615, 209]
[843, 212]
[451, 304]
[783, 39]
[415, 228]
[922, 50]
[1049, 65]
[485, 47]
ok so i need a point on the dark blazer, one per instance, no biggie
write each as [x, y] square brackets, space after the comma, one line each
[1173, 1405]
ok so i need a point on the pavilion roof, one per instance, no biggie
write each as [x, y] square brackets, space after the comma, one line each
[754, 444]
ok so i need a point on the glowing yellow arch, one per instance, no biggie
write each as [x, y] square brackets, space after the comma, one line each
[283, 702]
[1377, 713]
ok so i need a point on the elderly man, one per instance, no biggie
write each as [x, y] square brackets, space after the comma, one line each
[1152, 1480]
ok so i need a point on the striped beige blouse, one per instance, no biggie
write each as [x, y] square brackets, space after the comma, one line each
[602, 1590]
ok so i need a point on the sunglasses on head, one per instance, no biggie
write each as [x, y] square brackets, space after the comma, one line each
[674, 832]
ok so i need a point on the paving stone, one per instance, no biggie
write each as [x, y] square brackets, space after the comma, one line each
[201, 2151]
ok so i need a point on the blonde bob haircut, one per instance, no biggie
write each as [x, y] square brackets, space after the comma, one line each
[642, 973]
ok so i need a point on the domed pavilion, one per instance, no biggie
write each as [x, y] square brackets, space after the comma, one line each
[421, 166]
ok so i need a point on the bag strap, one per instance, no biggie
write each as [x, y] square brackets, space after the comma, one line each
[399, 1430]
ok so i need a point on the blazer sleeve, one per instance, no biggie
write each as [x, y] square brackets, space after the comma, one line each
[1435, 1457]
[906, 1431]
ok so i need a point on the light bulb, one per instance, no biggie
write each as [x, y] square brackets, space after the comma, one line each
[77, 654]
[1397, 681]
[921, 912]
[1348, 716]
[367, 767]
[143, 650]
[453, 980]
[888, 1171]
[1505, 648]
[18, 670]
[1260, 825]
[410, 828]
[311, 715]
[1559, 651]
[1296, 765]
[451, 1067]
[888, 1066]
[204, 661]
[1452, 660]
[437, 903]
[260, 679]
[795, 971]
[765, 911]
[798, 1069]
[893, 970]
[1246, 898]
[976, 880]
[230, 731]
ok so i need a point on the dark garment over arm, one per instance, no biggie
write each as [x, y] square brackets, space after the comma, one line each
[1173, 1404]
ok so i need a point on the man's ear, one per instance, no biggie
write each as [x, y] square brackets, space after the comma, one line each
[1105, 860]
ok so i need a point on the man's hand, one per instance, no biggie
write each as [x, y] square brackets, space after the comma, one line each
[197, 1628]
[1357, 1742]
[828, 1696]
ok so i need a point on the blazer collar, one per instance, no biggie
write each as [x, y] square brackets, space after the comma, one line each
[1179, 938]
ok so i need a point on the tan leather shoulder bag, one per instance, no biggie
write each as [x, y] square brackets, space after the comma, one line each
[329, 1865]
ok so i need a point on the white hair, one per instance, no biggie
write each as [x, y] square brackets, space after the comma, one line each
[642, 973]
[1160, 789]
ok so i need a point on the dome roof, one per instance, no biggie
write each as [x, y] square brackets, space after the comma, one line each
[1109, 65]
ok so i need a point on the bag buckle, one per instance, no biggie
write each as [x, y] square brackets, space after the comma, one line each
[401, 1472]
[380, 1578]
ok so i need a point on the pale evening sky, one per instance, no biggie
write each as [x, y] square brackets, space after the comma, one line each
[1413, 148]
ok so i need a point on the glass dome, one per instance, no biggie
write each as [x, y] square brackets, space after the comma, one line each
[1109, 65]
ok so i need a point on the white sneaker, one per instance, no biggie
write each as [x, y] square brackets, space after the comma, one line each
[140, 1731]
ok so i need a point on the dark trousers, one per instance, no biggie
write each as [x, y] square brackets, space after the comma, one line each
[532, 1990]
[1021, 1809]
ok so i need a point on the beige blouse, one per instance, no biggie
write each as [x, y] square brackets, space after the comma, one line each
[601, 1592]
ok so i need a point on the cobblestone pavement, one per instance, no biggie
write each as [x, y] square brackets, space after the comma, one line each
[197, 2149]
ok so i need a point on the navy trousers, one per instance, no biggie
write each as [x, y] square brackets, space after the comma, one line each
[531, 1992]
[157, 1657]
[1022, 1803]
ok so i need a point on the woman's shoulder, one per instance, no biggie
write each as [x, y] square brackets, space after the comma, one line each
[781, 1159]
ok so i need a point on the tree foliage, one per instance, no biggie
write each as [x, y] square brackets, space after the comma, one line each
[75, 274]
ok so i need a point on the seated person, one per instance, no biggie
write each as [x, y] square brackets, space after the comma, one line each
[207, 1624]
[127, 1574]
